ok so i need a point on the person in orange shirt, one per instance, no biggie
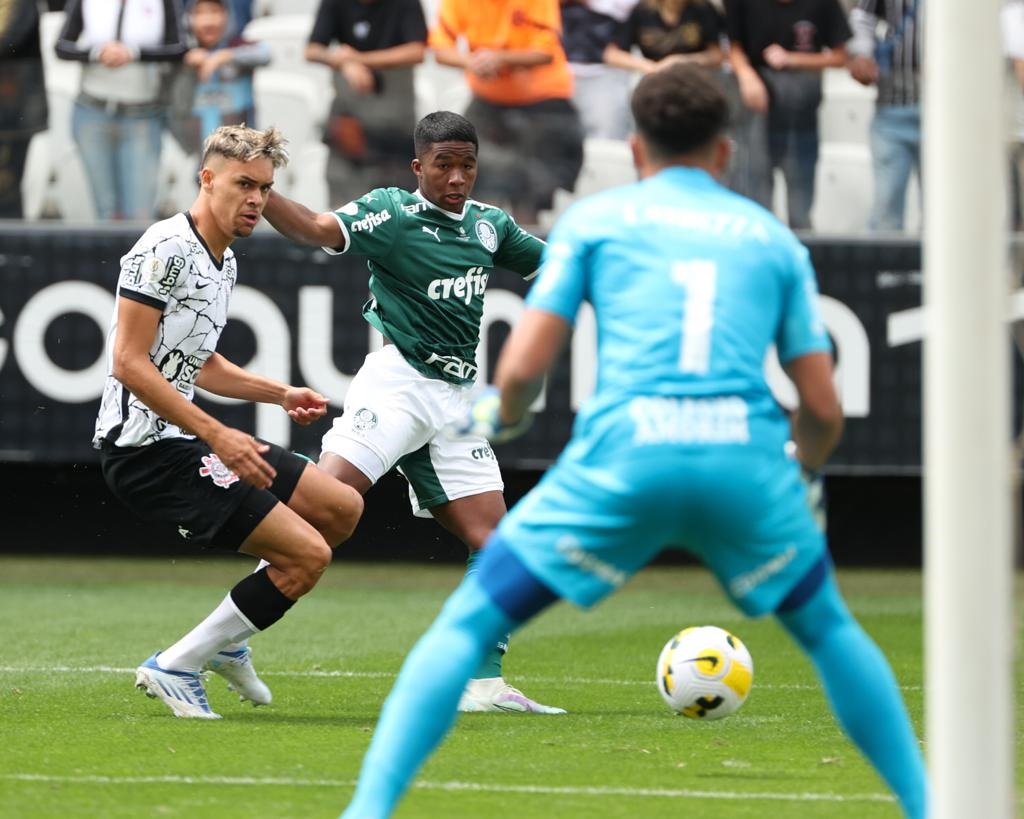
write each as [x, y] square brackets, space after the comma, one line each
[522, 87]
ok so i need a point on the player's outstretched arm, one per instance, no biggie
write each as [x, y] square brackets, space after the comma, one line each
[818, 421]
[136, 329]
[223, 377]
[300, 224]
[530, 351]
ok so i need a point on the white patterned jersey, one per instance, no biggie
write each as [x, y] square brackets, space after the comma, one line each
[169, 268]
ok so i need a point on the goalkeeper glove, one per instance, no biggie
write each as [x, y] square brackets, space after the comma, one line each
[484, 419]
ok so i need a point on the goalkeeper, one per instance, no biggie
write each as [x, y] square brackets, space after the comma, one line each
[682, 443]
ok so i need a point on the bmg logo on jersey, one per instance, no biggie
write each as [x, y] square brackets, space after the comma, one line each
[462, 288]
[370, 221]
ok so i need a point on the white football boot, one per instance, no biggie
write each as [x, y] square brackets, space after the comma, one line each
[181, 691]
[236, 667]
[494, 694]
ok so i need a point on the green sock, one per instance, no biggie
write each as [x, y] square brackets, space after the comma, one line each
[490, 666]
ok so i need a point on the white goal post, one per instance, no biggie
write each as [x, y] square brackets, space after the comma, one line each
[969, 634]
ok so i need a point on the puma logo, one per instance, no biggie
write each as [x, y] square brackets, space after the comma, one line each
[433, 232]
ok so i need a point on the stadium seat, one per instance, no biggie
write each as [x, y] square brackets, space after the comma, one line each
[178, 185]
[304, 178]
[292, 102]
[36, 180]
[287, 35]
[846, 110]
[72, 195]
[606, 163]
[843, 189]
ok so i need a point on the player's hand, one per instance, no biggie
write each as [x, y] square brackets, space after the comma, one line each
[483, 419]
[304, 406]
[243, 455]
[815, 484]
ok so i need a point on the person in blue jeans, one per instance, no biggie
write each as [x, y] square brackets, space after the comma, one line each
[118, 117]
[892, 62]
[682, 441]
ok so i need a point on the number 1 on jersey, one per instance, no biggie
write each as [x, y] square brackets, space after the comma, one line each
[697, 278]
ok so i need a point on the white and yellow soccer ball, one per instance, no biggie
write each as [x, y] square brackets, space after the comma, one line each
[704, 672]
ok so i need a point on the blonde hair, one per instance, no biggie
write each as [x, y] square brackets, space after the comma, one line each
[245, 144]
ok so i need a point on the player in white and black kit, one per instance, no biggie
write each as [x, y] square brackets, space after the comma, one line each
[170, 461]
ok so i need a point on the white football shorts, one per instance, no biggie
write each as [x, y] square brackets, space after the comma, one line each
[396, 416]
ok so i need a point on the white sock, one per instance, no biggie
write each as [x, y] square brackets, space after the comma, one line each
[223, 627]
[240, 644]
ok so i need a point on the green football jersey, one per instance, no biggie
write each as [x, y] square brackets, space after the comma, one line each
[428, 272]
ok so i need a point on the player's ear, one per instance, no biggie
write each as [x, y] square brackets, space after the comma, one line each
[722, 155]
[639, 151]
[206, 178]
[417, 167]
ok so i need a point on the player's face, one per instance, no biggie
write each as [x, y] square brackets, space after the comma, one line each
[446, 174]
[238, 194]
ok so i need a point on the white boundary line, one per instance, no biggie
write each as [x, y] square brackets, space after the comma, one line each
[662, 793]
[381, 675]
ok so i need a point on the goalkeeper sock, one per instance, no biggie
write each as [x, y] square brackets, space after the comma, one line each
[862, 691]
[421, 707]
[490, 665]
[254, 604]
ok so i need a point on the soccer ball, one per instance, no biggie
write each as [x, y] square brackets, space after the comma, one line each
[704, 672]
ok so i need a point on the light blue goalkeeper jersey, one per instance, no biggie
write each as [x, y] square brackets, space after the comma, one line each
[691, 285]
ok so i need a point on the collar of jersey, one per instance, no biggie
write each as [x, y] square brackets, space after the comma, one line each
[454, 217]
[698, 175]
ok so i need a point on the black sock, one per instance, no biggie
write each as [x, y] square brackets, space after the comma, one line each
[259, 600]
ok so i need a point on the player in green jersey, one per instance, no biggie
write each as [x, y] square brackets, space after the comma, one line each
[429, 253]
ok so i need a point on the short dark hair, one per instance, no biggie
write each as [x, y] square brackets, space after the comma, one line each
[678, 110]
[443, 126]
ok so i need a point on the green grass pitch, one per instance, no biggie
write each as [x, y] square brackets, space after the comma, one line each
[76, 738]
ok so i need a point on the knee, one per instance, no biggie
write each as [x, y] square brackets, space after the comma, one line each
[342, 516]
[309, 566]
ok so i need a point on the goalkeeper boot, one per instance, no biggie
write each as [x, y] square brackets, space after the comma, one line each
[181, 691]
[494, 694]
[236, 667]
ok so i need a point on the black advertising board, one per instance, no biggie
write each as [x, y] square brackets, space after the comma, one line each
[296, 317]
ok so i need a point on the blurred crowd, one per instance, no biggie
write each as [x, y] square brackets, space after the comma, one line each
[825, 93]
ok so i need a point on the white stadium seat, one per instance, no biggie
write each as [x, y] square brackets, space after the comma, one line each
[846, 110]
[843, 189]
[292, 102]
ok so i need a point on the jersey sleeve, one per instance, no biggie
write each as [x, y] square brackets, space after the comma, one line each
[369, 224]
[519, 251]
[801, 330]
[561, 284]
[150, 274]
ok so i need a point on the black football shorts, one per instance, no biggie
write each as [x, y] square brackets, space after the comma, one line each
[181, 481]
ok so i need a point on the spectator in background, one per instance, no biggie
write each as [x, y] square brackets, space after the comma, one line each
[371, 47]
[600, 91]
[1012, 23]
[118, 118]
[530, 132]
[890, 59]
[22, 97]
[665, 32]
[217, 75]
[778, 49]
